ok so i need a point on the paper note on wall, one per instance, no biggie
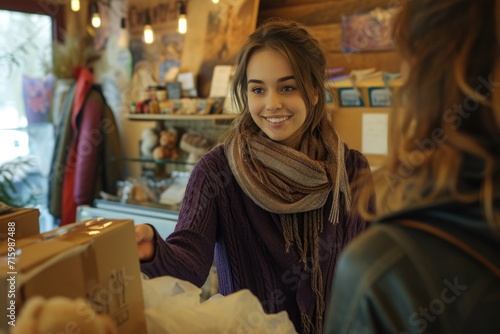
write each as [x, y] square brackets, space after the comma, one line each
[220, 80]
[374, 133]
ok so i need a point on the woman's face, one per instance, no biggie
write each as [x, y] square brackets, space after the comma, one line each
[274, 100]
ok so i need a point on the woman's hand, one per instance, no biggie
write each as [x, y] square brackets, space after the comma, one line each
[144, 236]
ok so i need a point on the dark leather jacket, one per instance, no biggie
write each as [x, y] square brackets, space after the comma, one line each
[395, 279]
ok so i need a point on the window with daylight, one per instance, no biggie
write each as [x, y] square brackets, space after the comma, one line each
[26, 88]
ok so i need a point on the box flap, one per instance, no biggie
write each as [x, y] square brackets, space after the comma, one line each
[42, 247]
[14, 213]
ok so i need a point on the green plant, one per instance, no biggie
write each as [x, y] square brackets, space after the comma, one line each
[9, 191]
[67, 55]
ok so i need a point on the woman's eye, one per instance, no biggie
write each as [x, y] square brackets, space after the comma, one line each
[257, 90]
[288, 89]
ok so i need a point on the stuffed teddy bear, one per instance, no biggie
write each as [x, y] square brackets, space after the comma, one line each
[167, 148]
[61, 315]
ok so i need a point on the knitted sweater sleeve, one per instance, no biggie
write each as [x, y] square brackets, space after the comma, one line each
[188, 252]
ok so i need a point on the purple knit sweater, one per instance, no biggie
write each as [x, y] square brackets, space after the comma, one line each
[248, 241]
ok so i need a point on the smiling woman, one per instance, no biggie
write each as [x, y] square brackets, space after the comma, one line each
[278, 186]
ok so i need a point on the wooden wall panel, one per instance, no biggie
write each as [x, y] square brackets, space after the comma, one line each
[348, 122]
[383, 61]
[329, 35]
[324, 18]
[270, 4]
[319, 12]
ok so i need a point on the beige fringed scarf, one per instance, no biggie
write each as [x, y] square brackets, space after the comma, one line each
[290, 183]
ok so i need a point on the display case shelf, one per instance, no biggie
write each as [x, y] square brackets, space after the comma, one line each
[210, 126]
[158, 162]
[166, 117]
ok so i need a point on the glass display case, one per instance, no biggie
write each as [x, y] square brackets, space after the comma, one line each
[161, 217]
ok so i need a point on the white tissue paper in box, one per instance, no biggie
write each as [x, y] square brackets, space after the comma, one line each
[173, 306]
[174, 194]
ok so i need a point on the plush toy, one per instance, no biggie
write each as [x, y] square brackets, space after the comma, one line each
[61, 315]
[194, 144]
[167, 148]
[149, 140]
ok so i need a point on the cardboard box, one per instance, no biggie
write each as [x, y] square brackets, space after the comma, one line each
[95, 259]
[26, 223]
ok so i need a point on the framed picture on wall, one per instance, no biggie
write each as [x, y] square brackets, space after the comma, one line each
[367, 31]
[164, 53]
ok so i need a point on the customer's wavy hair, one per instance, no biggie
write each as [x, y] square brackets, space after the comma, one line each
[445, 137]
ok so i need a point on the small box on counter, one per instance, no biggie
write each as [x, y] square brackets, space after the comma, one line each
[366, 88]
[348, 96]
[380, 97]
[20, 222]
[96, 260]
[351, 97]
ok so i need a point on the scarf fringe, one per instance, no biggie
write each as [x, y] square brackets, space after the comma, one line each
[307, 325]
[342, 184]
[308, 247]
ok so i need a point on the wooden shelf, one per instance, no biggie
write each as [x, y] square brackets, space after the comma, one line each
[362, 109]
[166, 117]
[155, 161]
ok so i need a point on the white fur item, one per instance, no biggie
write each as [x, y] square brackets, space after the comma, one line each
[61, 315]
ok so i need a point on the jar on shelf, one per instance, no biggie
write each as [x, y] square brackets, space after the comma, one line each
[161, 93]
[139, 107]
[151, 90]
[154, 107]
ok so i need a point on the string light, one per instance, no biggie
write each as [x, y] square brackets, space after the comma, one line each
[96, 19]
[148, 30]
[75, 5]
[215, 1]
[182, 27]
